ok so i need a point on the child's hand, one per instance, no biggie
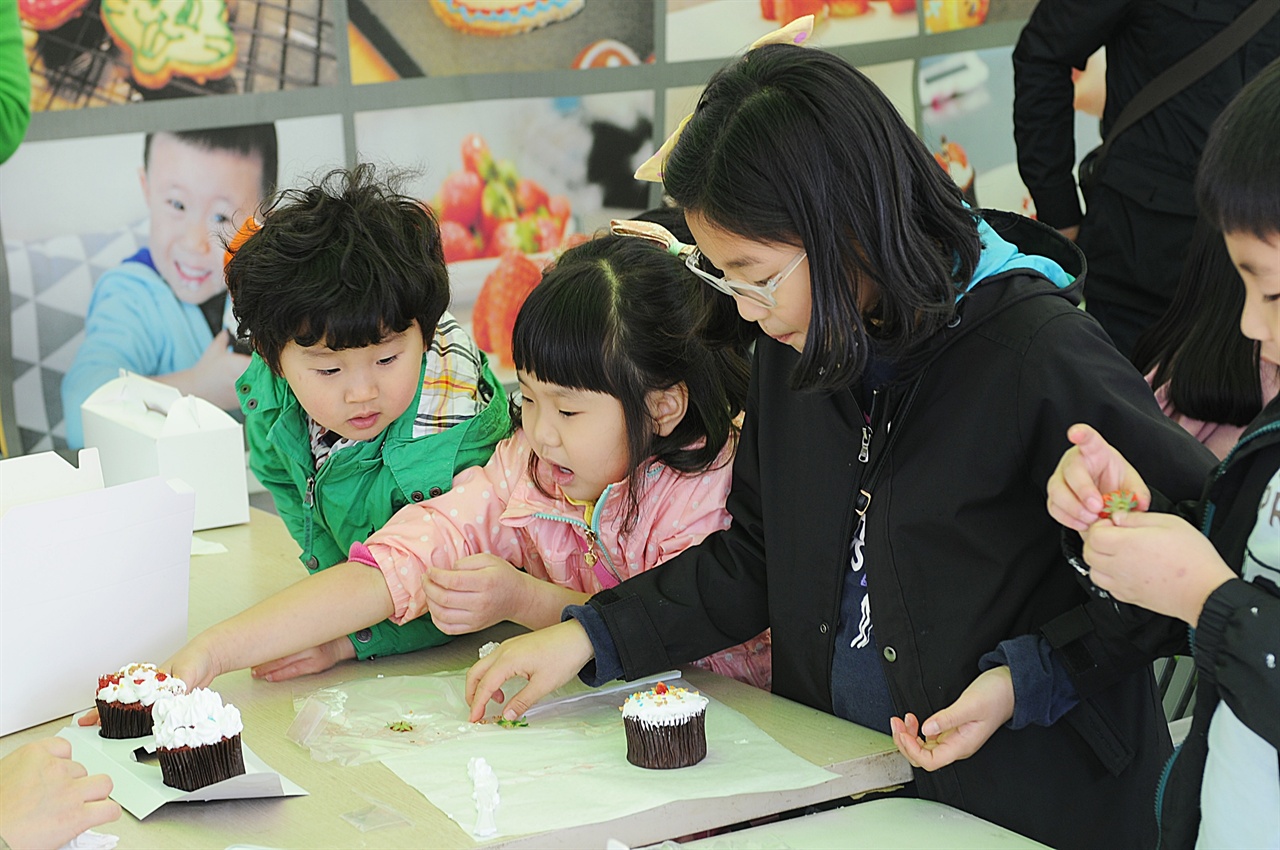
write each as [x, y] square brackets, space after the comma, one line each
[46, 799]
[547, 658]
[1158, 561]
[959, 730]
[479, 591]
[1088, 469]
[194, 664]
[214, 376]
[317, 659]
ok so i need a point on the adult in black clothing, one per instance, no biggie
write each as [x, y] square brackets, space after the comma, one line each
[1141, 211]
[909, 400]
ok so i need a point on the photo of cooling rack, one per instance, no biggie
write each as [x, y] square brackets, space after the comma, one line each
[279, 44]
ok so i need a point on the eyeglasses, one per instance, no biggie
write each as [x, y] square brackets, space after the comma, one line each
[756, 293]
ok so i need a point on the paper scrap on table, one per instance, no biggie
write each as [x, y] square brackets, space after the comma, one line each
[556, 770]
[200, 546]
[140, 789]
[90, 840]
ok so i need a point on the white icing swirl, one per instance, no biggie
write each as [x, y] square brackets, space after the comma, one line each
[674, 706]
[140, 683]
[194, 720]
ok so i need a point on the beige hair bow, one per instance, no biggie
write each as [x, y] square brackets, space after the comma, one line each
[651, 232]
[796, 32]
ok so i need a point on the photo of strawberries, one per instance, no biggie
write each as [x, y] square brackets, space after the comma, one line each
[494, 316]
[500, 210]
[1117, 501]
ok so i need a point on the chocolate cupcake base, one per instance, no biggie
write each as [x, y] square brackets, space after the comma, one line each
[666, 747]
[190, 768]
[123, 721]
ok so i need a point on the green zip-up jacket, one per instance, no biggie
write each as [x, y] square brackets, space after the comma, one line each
[357, 489]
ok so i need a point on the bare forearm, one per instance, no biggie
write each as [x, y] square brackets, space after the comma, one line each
[544, 602]
[330, 604]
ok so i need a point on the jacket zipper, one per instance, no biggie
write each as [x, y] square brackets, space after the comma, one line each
[864, 454]
[1207, 518]
[308, 501]
[591, 532]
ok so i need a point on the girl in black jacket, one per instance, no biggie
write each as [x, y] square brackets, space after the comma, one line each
[1215, 563]
[918, 368]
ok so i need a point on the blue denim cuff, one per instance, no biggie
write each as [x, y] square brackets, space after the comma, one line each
[1042, 688]
[607, 664]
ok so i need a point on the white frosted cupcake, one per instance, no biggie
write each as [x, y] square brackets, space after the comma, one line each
[198, 739]
[125, 699]
[666, 727]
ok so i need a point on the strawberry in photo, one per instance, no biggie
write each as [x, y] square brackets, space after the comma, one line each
[850, 8]
[530, 196]
[514, 235]
[767, 10]
[899, 7]
[497, 205]
[494, 316]
[458, 242]
[460, 198]
[475, 155]
[549, 233]
[789, 10]
[560, 210]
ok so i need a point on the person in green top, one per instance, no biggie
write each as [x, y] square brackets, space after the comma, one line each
[363, 394]
[15, 82]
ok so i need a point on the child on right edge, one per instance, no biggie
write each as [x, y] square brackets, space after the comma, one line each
[160, 312]
[1214, 563]
[622, 460]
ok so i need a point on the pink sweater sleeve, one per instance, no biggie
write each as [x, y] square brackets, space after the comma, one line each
[439, 531]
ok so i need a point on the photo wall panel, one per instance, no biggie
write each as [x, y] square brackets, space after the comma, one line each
[394, 39]
[526, 175]
[106, 52]
[96, 216]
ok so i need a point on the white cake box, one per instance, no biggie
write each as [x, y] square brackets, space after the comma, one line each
[143, 428]
[91, 578]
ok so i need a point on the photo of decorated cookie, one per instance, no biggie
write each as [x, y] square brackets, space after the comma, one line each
[504, 17]
[167, 38]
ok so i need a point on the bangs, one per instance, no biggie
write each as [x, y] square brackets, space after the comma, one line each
[583, 321]
[356, 314]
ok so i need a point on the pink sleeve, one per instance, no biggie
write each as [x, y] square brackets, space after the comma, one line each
[1216, 437]
[436, 533]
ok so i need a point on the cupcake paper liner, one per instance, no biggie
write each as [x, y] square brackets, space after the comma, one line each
[123, 721]
[666, 747]
[190, 768]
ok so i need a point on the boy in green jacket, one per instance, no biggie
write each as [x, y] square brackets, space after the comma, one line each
[363, 394]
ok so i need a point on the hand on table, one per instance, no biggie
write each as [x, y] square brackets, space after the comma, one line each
[46, 799]
[1087, 470]
[547, 658]
[959, 730]
[317, 659]
[1157, 561]
[479, 591]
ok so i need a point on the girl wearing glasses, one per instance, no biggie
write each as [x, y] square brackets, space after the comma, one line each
[919, 366]
[630, 381]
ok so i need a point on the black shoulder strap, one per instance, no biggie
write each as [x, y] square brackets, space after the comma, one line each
[1193, 66]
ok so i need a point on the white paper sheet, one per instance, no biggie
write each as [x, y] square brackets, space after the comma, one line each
[140, 789]
[568, 767]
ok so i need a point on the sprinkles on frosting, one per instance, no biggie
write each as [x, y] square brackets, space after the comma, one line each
[663, 705]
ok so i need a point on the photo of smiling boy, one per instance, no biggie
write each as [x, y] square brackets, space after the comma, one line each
[160, 312]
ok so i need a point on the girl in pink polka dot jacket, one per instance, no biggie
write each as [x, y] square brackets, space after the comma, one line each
[631, 379]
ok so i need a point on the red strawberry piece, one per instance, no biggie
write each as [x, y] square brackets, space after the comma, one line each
[475, 155]
[530, 196]
[1117, 501]
[460, 198]
[458, 242]
[160, 677]
[558, 206]
[494, 316]
[549, 233]
[660, 688]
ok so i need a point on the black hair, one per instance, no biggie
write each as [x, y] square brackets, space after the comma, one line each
[1238, 179]
[246, 140]
[794, 146]
[1196, 347]
[345, 262]
[621, 316]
